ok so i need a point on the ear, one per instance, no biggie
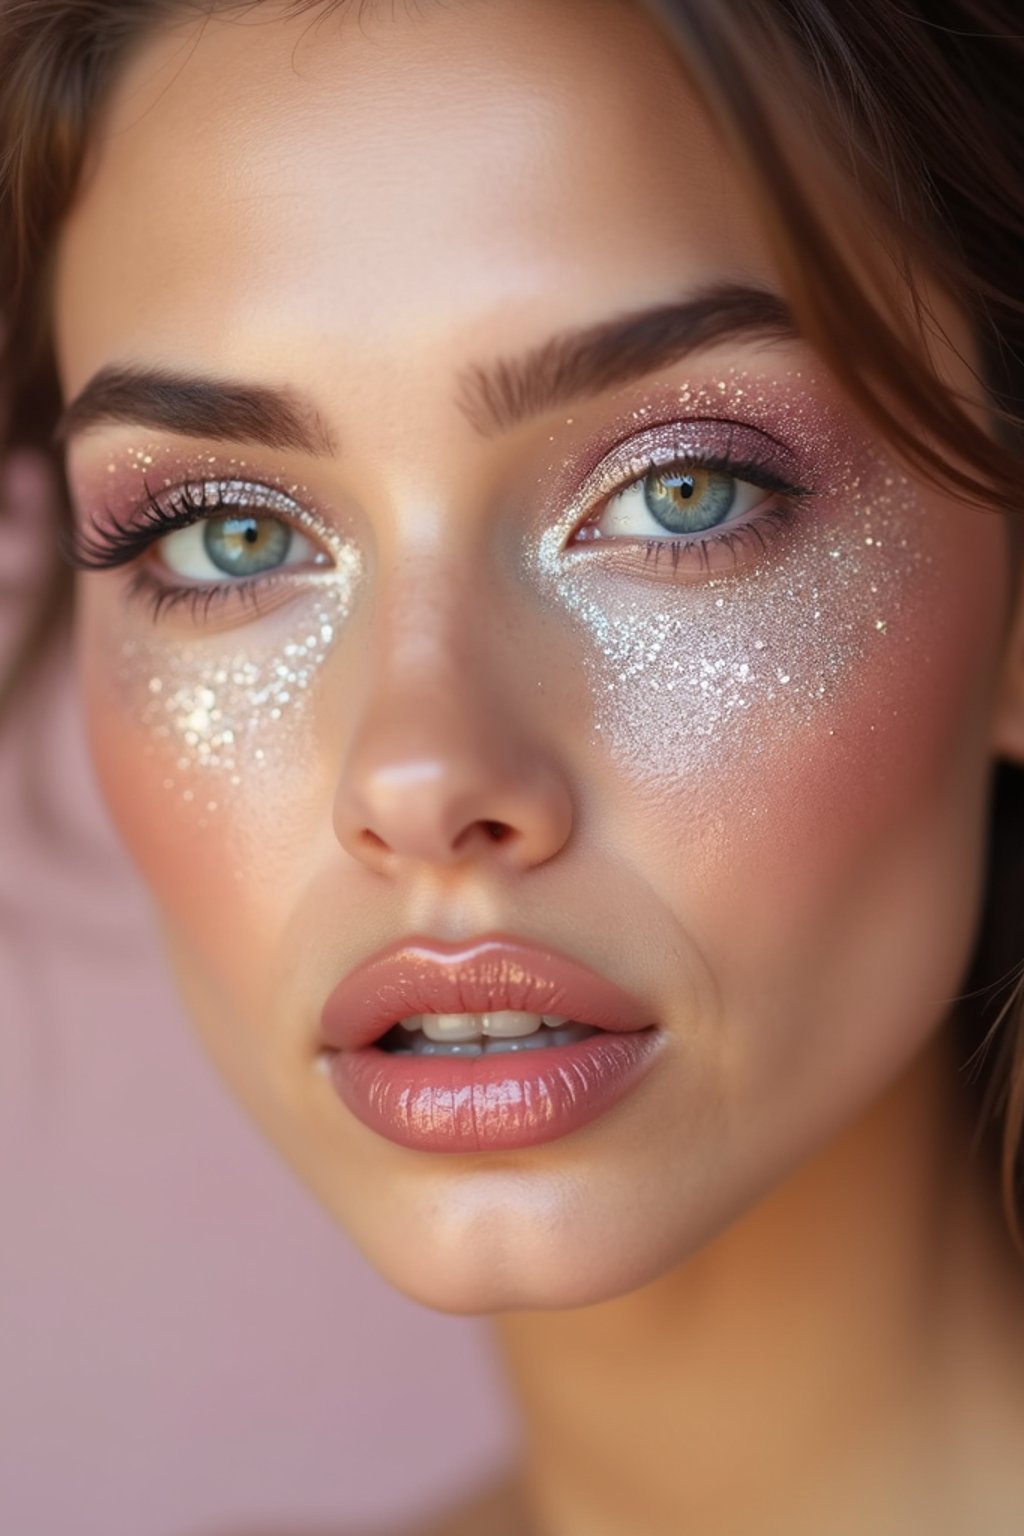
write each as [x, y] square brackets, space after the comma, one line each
[1008, 722]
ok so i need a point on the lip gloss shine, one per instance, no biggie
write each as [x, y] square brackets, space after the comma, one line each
[494, 1101]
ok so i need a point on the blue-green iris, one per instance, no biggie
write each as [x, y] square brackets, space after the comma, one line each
[689, 500]
[246, 545]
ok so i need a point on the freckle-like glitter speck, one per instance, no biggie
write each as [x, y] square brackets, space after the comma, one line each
[221, 706]
[681, 672]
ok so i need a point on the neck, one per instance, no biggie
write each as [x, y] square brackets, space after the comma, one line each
[804, 1371]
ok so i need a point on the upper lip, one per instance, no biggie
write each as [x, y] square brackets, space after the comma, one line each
[488, 974]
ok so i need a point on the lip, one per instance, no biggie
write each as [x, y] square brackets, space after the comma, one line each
[491, 1102]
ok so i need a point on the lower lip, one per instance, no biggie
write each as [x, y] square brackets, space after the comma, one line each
[491, 1103]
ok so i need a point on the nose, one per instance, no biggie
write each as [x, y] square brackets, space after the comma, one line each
[446, 767]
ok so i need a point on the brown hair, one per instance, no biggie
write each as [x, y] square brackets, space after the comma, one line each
[847, 116]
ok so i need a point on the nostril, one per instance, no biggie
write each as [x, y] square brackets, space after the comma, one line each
[489, 831]
[493, 831]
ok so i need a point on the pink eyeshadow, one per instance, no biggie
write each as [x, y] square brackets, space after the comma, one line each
[691, 673]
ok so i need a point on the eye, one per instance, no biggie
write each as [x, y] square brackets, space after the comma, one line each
[677, 499]
[241, 544]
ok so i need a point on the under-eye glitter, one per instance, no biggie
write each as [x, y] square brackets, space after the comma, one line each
[220, 705]
[219, 713]
[680, 669]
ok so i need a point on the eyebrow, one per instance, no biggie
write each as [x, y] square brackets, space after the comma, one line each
[221, 409]
[494, 397]
[497, 396]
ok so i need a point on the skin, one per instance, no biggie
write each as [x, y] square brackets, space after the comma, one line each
[777, 1249]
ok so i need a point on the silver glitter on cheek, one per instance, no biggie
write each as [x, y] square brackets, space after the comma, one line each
[724, 664]
[219, 706]
[229, 712]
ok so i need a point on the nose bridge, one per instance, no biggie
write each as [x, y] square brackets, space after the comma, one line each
[430, 651]
[445, 757]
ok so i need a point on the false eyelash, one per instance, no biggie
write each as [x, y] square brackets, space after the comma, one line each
[118, 542]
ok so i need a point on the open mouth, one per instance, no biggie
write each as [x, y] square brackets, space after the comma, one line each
[415, 1032]
[481, 1034]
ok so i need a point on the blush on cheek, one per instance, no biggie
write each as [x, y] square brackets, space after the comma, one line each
[206, 750]
[826, 863]
[200, 864]
[900, 760]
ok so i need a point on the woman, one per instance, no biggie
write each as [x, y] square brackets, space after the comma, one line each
[543, 484]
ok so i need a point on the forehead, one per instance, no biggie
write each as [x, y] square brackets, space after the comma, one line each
[307, 183]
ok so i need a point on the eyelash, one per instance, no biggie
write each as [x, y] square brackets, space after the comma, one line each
[121, 542]
[751, 537]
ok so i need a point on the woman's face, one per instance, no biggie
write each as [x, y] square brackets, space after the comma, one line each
[510, 613]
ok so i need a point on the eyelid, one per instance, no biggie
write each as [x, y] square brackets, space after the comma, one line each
[733, 447]
[119, 540]
[737, 447]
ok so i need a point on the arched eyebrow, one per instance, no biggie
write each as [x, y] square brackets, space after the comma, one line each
[221, 409]
[497, 396]
[493, 396]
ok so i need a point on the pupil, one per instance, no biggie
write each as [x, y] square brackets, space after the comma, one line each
[689, 500]
[244, 545]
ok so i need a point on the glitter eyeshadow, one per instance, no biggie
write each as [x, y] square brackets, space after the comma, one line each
[216, 706]
[686, 672]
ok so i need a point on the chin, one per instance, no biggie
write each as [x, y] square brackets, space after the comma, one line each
[482, 1284]
[483, 1249]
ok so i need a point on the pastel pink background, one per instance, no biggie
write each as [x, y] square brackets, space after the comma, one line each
[188, 1347]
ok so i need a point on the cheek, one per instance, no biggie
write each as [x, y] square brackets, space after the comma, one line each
[845, 864]
[801, 762]
[207, 755]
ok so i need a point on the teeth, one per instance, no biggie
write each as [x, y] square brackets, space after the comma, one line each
[448, 1028]
[565, 1032]
[510, 1026]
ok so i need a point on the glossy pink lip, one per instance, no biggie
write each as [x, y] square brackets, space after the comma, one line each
[502, 1101]
[422, 976]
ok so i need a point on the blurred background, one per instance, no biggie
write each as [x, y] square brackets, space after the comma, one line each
[188, 1346]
